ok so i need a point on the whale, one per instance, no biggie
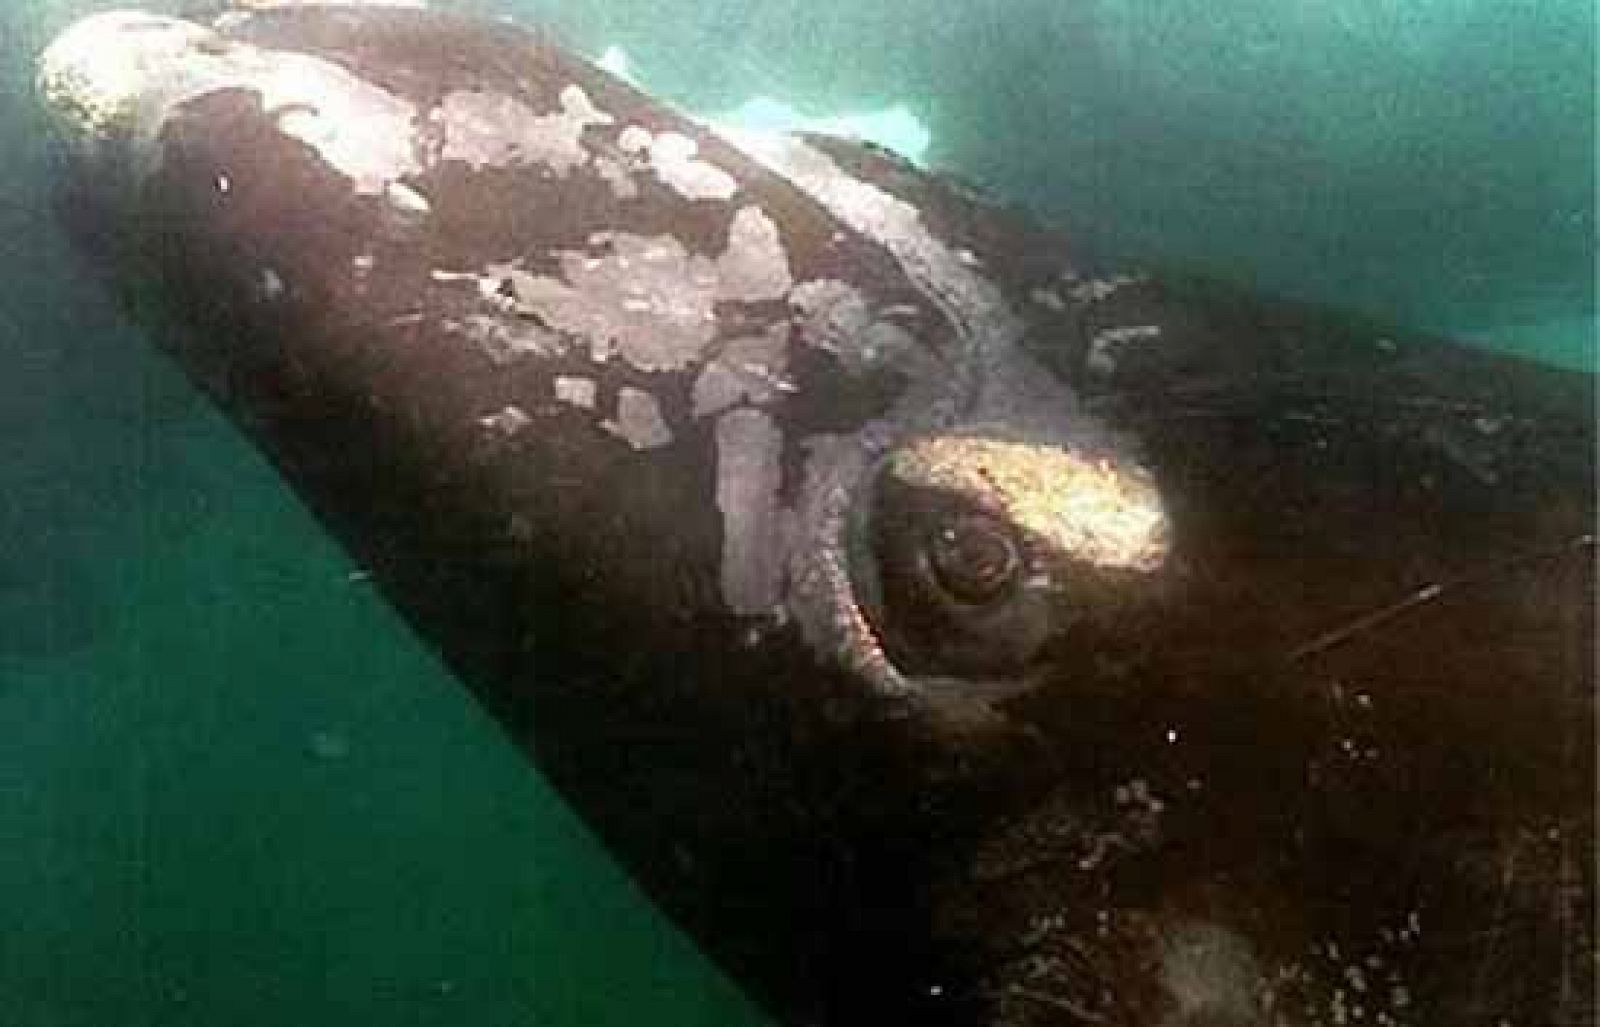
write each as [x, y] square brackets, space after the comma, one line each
[942, 624]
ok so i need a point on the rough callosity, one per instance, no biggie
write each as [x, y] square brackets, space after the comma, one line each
[747, 369]
[647, 301]
[671, 156]
[755, 266]
[361, 130]
[748, 476]
[1095, 511]
[639, 421]
[488, 129]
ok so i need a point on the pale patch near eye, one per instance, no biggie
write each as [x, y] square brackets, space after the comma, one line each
[1104, 513]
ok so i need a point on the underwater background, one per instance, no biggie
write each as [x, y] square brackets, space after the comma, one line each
[235, 789]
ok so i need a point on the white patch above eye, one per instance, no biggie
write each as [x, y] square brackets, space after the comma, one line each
[1104, 513]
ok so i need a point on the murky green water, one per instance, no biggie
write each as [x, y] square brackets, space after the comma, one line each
[234, 788]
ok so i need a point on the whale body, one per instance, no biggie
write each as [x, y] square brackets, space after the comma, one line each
[944, 627]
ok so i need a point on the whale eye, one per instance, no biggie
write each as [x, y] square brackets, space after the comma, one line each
[973, 558]
[980, 559]
[949, 585]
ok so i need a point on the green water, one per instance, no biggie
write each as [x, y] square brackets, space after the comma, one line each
[1425, 161]
[235, 790]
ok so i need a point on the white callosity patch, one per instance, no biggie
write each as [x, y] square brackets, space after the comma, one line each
[121, 76]
[952, 278]
[984, 321]
[754, 267]
[639, 421]
[488, 129]
[648, 301]
[749, 473]
[363, 131]
[575, 391]
[615, 175]
[1094, 510]
[93, 82]
[835, 316]
[672, 156]
[750, 369]
[818, 573]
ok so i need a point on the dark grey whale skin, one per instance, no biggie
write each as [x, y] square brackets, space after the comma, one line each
[1333, 763]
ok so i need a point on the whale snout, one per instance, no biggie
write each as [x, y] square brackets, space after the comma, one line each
[94, 76]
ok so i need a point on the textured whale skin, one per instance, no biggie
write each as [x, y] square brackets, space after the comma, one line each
[943, 628]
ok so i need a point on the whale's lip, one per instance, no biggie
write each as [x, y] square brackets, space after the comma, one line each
[92, 76]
